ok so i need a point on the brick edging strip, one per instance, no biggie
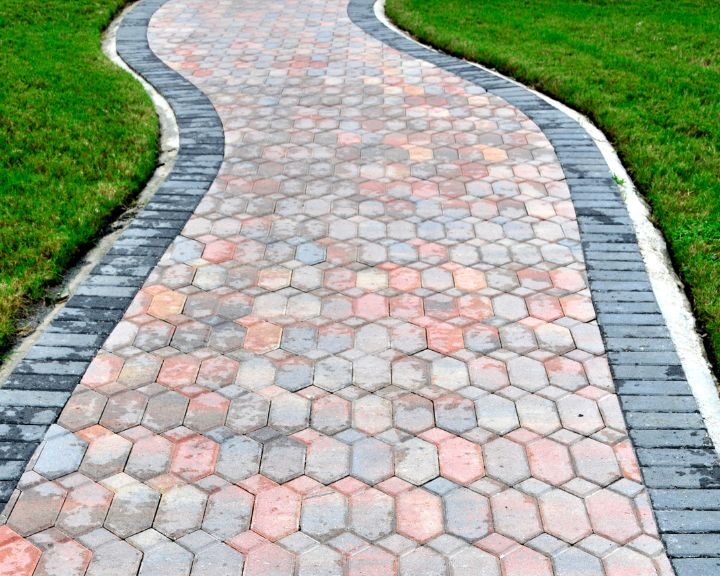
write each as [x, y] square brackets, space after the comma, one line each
[678, 461]
[38, 388]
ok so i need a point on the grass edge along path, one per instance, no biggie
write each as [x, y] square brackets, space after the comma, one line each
[645, 72]
[78, 140]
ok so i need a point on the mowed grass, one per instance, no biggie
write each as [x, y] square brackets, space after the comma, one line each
[646, 71]
[78, 138]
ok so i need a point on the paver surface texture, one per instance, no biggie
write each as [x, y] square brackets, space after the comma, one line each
[372, 350]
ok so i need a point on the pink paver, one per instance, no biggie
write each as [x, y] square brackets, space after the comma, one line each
[375, 323]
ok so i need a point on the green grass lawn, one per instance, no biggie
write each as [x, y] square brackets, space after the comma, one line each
[78, 138]
[646, 71]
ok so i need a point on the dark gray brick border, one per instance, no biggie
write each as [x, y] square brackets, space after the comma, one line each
[678, 461]
[38, 388]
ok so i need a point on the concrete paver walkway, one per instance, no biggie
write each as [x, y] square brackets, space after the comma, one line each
[372, 350]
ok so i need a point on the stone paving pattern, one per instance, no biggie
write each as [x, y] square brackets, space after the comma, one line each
[372, 351]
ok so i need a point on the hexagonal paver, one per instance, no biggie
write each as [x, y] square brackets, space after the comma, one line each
[449, 373]
[506, 461]
[455, 413]
[194, 458]
[333, 374]
[276, 513]
[324, 516]
[564, 516]
[419, 515]
[444, 338]
[150, 456]
[372, 461]
[461, 460]
[612, 516]
[480, 338]
[262, 337]
[165, 411]
[238, 458]
[509, 307]
[515, 515]
[413, 413]
[496, 414]
[372, 514]
[416, 461]
[550, 461]
[372, 414]
[283, 459]
[228, 512]
[538, 414]
[289, 413]
[180, 512]
[60, 455]
[580, 414]
[467, 514]
[328, 460]
[206, 411]
[37, 508]
[595, 462]
[330, 414]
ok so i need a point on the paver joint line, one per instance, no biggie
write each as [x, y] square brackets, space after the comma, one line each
[372, 349]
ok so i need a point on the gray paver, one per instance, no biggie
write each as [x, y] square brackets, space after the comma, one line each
[132, 510]
[180, 512]
[283, 459]
[372, 461]
[60, 456]
[239, 458]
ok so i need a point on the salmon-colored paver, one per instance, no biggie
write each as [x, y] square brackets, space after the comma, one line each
[372, 350]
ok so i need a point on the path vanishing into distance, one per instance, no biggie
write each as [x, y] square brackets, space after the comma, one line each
[372, 348]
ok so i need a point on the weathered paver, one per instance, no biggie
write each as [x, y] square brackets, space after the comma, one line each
[370, 351]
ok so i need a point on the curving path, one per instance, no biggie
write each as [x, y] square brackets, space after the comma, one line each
[371, 351]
